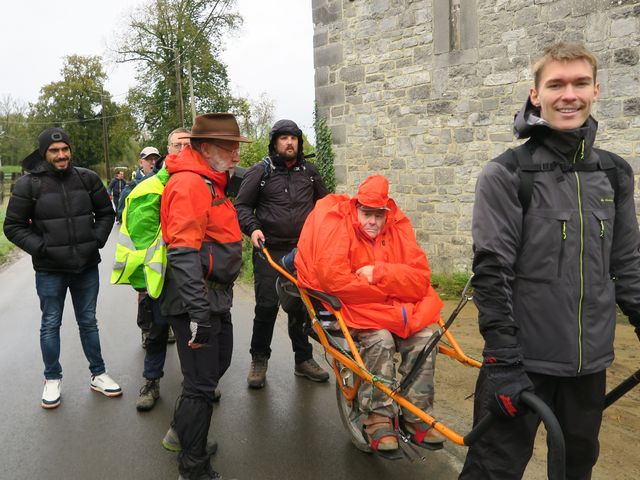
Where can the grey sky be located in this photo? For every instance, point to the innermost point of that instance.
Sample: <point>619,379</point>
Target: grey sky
<point>272,54</point>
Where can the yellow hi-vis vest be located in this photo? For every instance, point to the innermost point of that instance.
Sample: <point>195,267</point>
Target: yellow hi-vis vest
<point>143,263</point>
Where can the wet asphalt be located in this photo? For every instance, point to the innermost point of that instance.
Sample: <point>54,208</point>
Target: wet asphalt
<point>288,430</point>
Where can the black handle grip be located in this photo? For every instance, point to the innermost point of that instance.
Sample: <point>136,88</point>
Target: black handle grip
<point>555,438</point>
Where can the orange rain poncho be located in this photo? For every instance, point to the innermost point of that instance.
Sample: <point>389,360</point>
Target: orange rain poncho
<point>333,246</point>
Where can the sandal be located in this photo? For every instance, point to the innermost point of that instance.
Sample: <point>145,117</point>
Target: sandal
<point>424,435</point>
<point>380,434</point>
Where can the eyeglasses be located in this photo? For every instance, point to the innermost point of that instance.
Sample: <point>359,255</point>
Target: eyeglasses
<point>178,145</point>
<point>232,151</point>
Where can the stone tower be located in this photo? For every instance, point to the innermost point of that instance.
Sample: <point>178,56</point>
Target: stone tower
<point>424,92</point>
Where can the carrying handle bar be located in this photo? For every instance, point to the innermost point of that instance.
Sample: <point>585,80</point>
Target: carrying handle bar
<point>555,438</point>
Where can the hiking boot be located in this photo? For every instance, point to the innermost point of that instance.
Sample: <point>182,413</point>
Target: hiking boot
<point>149,393</point>
<point>311,370</point>
<point>104,384</point>
<point>258,371</point>
<point>171,442</point>
<point>208,474</point>
<point>171,338</point>
<point>51,393</point>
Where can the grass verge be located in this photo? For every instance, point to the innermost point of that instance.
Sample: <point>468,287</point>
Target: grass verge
<point>5,245</point>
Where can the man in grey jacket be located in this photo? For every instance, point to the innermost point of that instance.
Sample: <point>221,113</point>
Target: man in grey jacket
<point>556,246</point>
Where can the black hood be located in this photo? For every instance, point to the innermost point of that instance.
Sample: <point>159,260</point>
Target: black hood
<point>528,123</point>
<point>34,163</point>
<point>526,119</point>
<point>284,127</point>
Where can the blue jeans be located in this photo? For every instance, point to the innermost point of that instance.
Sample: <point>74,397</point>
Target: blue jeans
<point>52,290</point>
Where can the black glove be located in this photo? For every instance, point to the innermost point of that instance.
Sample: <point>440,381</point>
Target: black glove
<point>199,333</point>
<point>505,381</point>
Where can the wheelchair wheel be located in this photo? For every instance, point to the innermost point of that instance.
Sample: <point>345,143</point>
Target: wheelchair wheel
<point>349,412</point>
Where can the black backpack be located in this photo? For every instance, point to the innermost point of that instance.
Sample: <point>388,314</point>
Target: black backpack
<point>269,168</point>
<point>520,159</point>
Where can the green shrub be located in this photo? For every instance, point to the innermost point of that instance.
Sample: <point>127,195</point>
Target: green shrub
<point>5,245</point>
<point>449,285</point>
<point>324,152</point>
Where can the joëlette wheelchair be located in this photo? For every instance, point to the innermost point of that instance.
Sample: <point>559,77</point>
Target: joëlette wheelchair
<point>330,330</point>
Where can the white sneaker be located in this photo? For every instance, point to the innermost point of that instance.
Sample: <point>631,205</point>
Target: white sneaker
<point>51,393</point>
<point>103,383</point>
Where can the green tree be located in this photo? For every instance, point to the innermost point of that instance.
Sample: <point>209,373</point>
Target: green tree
<point>77,103</point>
<point>324,151</point>
<point>163,38</point>
<point>255,120</point>
<point>15,143</point>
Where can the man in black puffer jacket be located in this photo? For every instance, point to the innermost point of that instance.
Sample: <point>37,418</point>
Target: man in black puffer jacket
<point>274,200</point>
<point>61,215</point>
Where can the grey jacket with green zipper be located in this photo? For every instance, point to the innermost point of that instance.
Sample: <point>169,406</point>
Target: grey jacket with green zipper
<point>549,280</point>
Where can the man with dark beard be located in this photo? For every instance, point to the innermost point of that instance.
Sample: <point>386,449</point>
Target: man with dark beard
<point>274,200</point>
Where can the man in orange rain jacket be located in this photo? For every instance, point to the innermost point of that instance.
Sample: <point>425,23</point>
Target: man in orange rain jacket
<point>204,242</point>
<point>363,250</point>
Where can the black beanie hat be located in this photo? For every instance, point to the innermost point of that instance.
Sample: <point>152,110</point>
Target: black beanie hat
<point>49,136</point>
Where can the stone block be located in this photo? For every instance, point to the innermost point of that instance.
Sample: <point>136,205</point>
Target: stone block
<point>631,106</point>
<point>321,77</point>
<point>504,78</point>
<point>352,74</point>
<point>444,176</point>
<point>320,39</point>
<point>327,56</point>
<point>326,15</point>
<point>406,146</point>
<point>338,134</point>
<point>624,27</point>
<point>626,56</point>
<point>464,135</point>
<point>439,107</point>
<point>331,95</point>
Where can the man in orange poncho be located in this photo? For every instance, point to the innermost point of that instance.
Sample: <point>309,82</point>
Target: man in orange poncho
<point>363,250</point>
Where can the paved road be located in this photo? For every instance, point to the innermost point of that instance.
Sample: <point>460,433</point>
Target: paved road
<point>288,430</point>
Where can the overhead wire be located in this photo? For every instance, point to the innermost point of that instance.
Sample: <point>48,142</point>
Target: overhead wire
<point>171,62</point>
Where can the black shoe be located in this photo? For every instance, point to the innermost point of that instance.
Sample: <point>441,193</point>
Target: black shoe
<point>209,474</point>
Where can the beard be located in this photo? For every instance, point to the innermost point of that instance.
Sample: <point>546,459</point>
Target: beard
<point>289,154</point>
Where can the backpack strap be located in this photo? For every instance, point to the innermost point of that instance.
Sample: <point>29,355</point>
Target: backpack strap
<point>214,202</point>
<point>268,168</point>
<point>519,160</point>
<point>82,180</point>
<point>608,164</point>
<point>36,186</point>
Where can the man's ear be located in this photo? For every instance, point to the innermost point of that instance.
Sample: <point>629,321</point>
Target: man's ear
<point>533,96</point>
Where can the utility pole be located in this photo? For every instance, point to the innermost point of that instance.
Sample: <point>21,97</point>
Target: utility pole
<point>191,97</point>
<point>179,99</point>
<point>105,137</point>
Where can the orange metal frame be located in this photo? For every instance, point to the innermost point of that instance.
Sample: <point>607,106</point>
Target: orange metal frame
<point>356,365</point>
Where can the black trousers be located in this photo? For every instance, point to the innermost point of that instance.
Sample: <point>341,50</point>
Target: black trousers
<point>503,452</point>
<point>266,311</point>
<point>201,371</point>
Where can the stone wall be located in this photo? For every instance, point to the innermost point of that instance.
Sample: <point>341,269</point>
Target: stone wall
<point>429,118</point>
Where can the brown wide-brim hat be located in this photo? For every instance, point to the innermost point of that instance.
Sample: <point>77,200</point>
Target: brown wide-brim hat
<point>216,126</point>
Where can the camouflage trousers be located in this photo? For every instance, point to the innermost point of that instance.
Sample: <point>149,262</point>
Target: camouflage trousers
<point>378,348</point>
